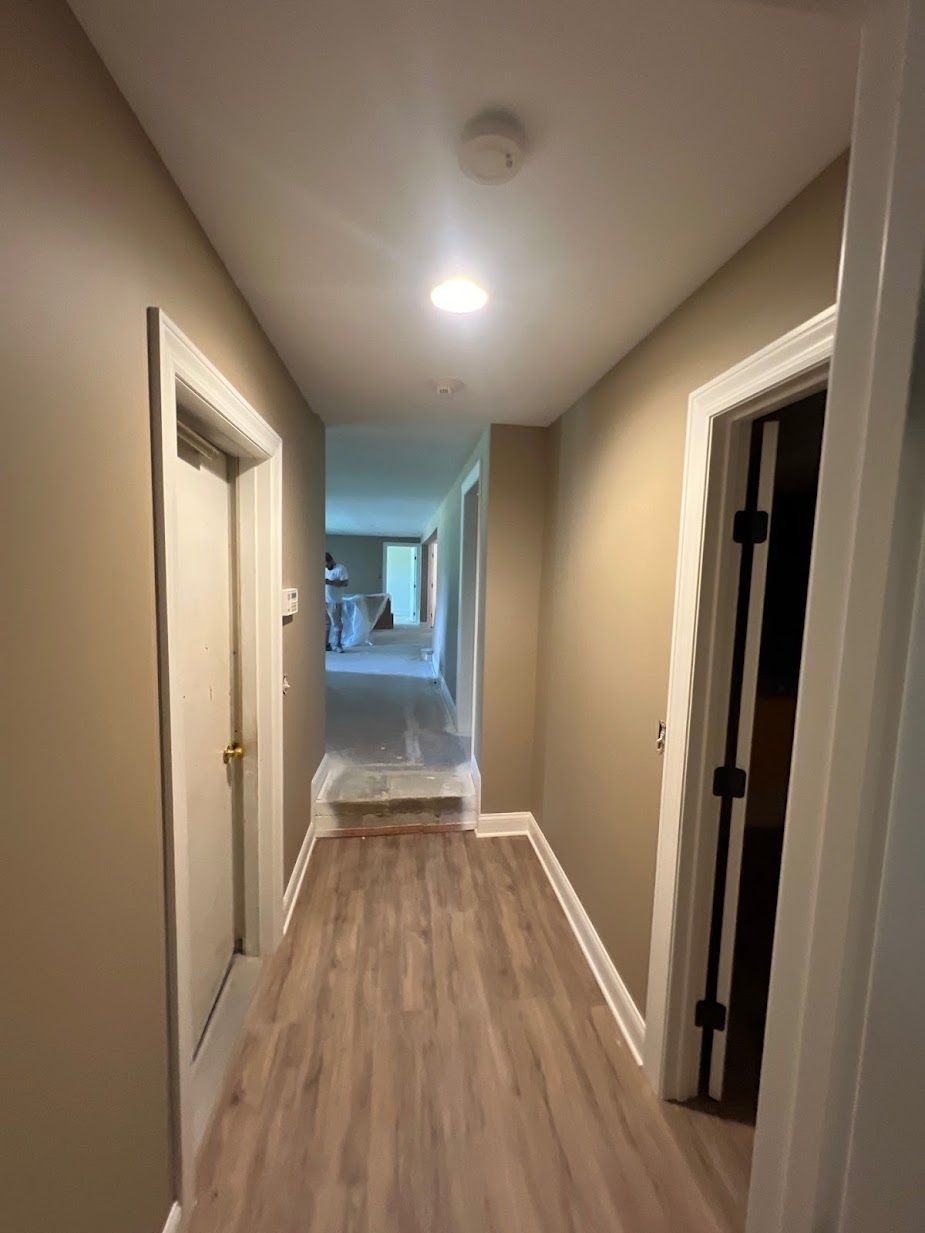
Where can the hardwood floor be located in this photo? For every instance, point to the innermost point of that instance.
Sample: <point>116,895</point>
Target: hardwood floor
<point>429,1053</point>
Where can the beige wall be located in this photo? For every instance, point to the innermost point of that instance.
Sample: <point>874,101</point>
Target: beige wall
<point>518,481</point>
<point>609,564</point>
<point>94,231</point>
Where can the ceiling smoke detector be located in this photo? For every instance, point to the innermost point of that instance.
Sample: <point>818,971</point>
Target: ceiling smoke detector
<point>446,387</point>
<point>493,147</point>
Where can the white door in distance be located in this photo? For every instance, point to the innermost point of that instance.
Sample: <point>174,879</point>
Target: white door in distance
<point>401,582</point>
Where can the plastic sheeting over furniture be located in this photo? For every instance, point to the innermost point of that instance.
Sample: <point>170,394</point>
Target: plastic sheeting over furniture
<point>361,612</point>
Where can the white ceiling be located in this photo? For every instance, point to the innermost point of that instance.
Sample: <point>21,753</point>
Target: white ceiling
<point>390,480</point>
<point>316,143</point>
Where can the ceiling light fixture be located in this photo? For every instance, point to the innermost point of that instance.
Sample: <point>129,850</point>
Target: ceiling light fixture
<point>459,295</point>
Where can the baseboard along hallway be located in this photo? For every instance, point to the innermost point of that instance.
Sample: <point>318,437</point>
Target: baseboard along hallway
<point>429,1050</point>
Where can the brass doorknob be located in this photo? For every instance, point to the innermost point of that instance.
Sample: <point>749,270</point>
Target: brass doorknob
<point>232,751</point>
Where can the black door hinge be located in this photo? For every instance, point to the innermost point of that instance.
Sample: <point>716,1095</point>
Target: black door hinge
<point>710,1015</point>
<point>729,781</point>
<point>750,526</point>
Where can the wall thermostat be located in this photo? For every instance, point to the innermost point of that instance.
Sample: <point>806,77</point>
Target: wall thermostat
<point>290,601</point>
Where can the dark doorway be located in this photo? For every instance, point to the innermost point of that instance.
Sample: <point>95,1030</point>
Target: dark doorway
<point>789,550</point>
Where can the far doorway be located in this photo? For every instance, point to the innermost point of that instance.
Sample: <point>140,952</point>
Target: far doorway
<point>401,570</point>
<point>430,549</point>
<point>468,648</point>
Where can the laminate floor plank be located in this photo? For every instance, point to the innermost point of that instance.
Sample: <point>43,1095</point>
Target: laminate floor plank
<point>428,1052</point>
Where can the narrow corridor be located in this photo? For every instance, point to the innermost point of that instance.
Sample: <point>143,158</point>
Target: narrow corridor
<point>428,1051</point>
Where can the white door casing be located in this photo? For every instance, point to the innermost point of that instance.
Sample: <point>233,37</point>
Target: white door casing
<point>432,583</point>
<point>469,614</point>
<point>719,420</point>
<point>401,571</point>
<point>218,412</point>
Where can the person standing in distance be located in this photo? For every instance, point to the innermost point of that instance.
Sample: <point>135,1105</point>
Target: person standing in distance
<point>336,580</point>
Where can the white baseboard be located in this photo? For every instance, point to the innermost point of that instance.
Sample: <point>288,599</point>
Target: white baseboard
<point>444,691</point>
<point>494,824</point>
<point>173,1220</point>
<point>618,998</point>
<point>291,893</point>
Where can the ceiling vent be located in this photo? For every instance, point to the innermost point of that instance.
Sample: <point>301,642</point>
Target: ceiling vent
<point>493,147</point>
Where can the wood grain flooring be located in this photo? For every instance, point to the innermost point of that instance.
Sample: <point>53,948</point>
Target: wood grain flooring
<point>429,1053</point>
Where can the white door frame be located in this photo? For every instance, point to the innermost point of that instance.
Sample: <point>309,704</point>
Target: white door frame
<point>397,543</point>
<point>855,638</point>
<point>229,422</point>
<point>472,478</point>
<point>719,417</point>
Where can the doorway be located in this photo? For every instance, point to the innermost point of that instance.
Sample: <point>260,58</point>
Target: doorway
<point>431,558</point>
<point>774,535</point>
<point>401,570</point>
<point>468,649</point>
<point>207,674</point>
<point>753,442</point>
<point>218,553</point>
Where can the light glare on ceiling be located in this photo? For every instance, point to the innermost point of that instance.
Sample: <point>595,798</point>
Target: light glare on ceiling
<point>459,295</point>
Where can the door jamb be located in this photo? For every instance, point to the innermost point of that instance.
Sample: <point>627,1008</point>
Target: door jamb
<point>472,478</point>
<point>224,417</point>
<point>790,368</point>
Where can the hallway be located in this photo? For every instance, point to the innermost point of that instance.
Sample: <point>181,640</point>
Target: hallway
<point>394,759</point>
<point>428,1051</point>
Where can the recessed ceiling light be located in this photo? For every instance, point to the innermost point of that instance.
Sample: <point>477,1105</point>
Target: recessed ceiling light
<point>459,295</point>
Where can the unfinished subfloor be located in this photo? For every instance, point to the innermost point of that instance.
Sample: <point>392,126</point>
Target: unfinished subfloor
<point>429,1053</point>
<point>394,759</point>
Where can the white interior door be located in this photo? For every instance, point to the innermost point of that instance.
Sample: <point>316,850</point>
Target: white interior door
<point>769,433</point>
<point>206,660</point>
<point>401,581</point>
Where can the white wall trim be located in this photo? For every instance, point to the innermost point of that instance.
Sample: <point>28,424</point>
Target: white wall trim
<point>444,690</point>
<point>174,1220</point>
<point>225,418</point>
<point>851,688</point>
<point>473,701</point>
<point>719,415</point>
<point>299,869</point>
<point>617,996</point>
<point>494,824</point>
